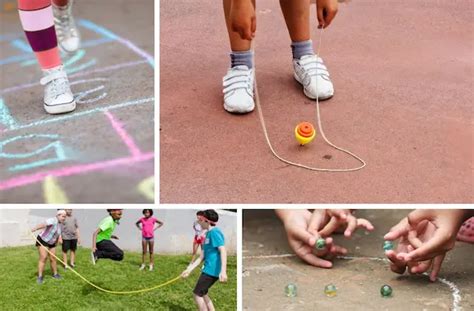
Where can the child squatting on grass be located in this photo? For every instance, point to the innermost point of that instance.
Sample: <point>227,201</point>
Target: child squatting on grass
<point>424,236</point>
<point>71,238</point>
<point>48,238</point>
<point>102,246</point>
<point>214,256</point>
<point>308,69</point>
<point>148,234</point>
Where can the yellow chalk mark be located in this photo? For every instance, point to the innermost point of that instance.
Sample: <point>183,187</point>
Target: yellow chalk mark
<point>53,194</point>
<point>147,188</point>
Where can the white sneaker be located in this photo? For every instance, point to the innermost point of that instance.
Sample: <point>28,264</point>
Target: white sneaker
<point>142,267</point>
<point>310,70</point>
<point>58,97</point>
<point>151,267</point>
<point>238,90</point>
<point>66,29</point>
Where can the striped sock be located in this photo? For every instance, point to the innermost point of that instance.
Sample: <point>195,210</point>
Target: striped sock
<point>239,58</point>
<point>37,19</point>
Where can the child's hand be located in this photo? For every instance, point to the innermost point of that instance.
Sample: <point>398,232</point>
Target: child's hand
<point>447,223</point>
<point>326,10</point>
<point>223,277</point>
<point>60,240</point>
<point>301,241</point>
<point>94,248</point>
<point>337,219</point>
<point>431,234</point>
<point>79,242</point>
<point>185,274</point>
<point>399,265</point>
<point>242,18</point>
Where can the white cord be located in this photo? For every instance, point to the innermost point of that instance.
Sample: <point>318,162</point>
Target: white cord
<point>318,119</point>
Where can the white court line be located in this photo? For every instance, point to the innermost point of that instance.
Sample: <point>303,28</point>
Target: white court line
<point>455,292</point>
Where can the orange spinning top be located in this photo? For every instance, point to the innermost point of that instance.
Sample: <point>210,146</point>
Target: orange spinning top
<point>304,133</point>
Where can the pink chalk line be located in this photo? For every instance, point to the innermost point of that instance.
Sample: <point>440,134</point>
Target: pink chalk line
<point>127,139</point>
<point>73,170</point>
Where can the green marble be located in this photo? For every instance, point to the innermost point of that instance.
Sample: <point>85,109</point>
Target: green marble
<point>386,291</point>
<point>320,244</point>
<point>388,245</point>
<point>330,290</point>
<point>290,290</point>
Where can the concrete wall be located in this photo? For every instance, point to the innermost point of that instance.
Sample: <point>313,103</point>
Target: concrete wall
<point>175,237</point>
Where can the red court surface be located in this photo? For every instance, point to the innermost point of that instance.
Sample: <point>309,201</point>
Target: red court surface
<point>403,75</point>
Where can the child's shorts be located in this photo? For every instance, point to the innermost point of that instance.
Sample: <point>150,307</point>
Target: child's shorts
<point>69,245</point>
<point>40,240</point>
<point>198,239</point>
<point>203,284</point>
<point>145,239</point>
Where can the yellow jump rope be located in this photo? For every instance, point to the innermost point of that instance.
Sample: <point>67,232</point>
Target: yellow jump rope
<point>131,292</point>
<point>318,119</point>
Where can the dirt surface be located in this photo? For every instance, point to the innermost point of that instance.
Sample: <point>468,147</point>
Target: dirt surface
<point>403,75</point>
<point>358,280</point>
<point>104,151</point>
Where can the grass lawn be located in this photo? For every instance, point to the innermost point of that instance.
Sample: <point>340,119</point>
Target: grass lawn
<point>19,291</point>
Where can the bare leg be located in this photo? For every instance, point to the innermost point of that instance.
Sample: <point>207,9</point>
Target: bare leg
<point>73,258</point>
<point>210,306</point>
<point>43,255</point>
<point>52,260</point>
<point>150,248</point>
<point>201,303</point>
<point>236,43</point>
<point>143,251</point>
<point>65,258</point>
<point>297,18</point>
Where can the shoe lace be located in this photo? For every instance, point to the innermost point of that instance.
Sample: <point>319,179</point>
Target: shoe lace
<point>57,83</point>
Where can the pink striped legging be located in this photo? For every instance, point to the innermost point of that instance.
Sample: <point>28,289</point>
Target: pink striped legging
<point>37,19</point>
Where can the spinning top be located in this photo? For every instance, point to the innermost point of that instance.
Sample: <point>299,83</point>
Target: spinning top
<point>304,133</point>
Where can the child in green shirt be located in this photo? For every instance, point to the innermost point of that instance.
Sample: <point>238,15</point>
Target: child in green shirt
<point>102,246</point>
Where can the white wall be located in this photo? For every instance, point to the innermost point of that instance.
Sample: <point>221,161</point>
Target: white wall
<point>175,237</point>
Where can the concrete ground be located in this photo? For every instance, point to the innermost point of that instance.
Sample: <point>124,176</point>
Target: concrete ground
<point>403,75</point>
<point>104,151</point>
<point>358,280</point>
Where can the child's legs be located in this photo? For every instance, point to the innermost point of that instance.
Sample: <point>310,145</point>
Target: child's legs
<point>43,255</point>
<point>65,248</point>
<point>209,304</point>
<point>236,43</point>
<point>143,250</point>
<point>36,17</point>
<point>52,260</point>
<point>151,245</point>
<point>107,249</point>
<point>73,257</point>
<point>297,18</point>
<point>65,257</point>
<point>200,302</point>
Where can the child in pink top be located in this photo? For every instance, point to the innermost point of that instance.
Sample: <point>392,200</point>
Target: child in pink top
<point>148,233</point>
